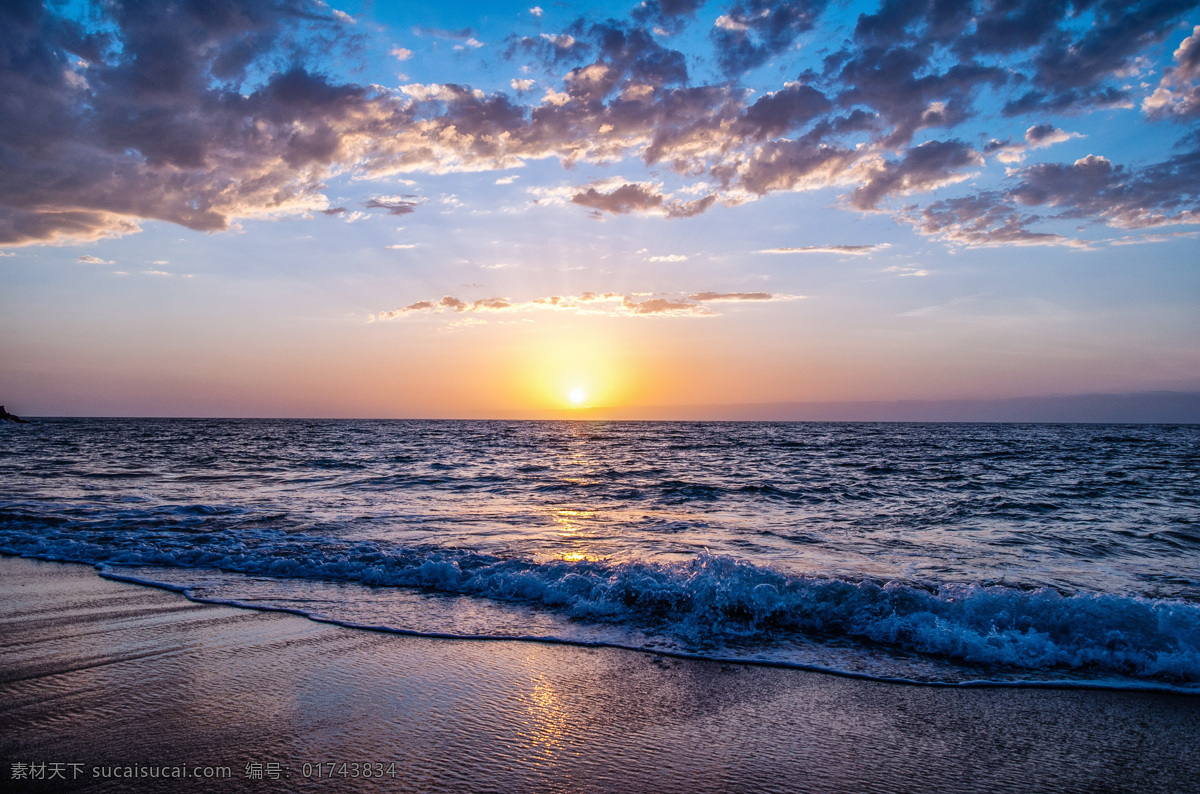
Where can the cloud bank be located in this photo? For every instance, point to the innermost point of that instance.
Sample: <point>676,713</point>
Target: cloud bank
<point>200,115</point>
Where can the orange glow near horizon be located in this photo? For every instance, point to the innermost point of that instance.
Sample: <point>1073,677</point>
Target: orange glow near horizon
<point>574,368</point>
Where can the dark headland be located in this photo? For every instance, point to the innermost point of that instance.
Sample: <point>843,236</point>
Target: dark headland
<point>5,416</point>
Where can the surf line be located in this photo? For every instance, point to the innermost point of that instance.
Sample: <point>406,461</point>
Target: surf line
<point>106,571</point>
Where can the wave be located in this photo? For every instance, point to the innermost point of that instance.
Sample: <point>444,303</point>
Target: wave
<point>714,601</point>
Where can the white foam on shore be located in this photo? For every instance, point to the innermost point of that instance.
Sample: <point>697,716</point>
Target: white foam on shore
<point>1116,640</point>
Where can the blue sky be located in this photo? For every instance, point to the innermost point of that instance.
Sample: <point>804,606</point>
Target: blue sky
<point>468,209</point>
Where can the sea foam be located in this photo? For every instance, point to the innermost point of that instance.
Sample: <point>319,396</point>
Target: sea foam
<point>714,600</point>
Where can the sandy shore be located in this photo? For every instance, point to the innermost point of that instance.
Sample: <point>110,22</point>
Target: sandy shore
<point>97,674</point>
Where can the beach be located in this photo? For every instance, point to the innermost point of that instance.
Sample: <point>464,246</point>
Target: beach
<point>100,678</point>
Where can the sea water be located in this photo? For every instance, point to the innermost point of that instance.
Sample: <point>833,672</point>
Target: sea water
<point>938,553</point>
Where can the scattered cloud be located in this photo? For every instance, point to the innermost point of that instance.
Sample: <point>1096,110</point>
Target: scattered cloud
<point>712,297</point>
<point>931,165</point>
<point>461,34</point>
<point>94,260</point>
<point>507,180</point>
<point>1039,136</point>
<point>668,258</point>
<point>186,118</point>
<point>395,205</point>
<point>400,246</point>
<point>640,198</point>
<point>1139,239</point>
<point>590,303</point>
<point>753,31</point>
<point>1178,93</point>
<point>852,250</point>
<point>906,270</point>
<point>563,41</point>
<point>536,11</point>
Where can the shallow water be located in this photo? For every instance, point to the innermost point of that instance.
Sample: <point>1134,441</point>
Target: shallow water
<point>947,553</point>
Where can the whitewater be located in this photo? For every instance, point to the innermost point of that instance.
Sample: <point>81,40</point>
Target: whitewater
<point>947,554</point>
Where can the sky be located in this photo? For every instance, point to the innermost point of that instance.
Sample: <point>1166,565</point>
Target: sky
<point>501,209</point>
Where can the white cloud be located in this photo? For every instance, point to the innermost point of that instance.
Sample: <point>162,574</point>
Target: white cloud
<point>94,260</point>
<point>536,11</point>
<point>401,246</point>
<point>561,40</point>
<point>342,16</point>
<point>1138,239</point>
<point>726,22</point>
<point>521,85</point>
<point>402,53</point>
<point>906,270</point>
<point>668,258</point>
<point>507,180</point>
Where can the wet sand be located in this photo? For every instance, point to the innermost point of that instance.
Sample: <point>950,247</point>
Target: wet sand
<point>103,674</point>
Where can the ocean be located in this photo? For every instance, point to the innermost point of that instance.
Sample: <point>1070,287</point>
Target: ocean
<point>941,554</point>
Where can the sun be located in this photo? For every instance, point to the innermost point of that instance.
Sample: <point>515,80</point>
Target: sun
<point>576,396</point>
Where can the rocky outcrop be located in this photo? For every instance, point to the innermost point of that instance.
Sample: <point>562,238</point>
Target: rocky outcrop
<point>5,416</point>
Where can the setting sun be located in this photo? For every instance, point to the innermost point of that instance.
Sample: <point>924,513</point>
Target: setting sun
<point>577,396</point>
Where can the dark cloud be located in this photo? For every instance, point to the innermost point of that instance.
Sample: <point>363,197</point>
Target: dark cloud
<point>924,167</point>
<point>781,112</point>
<point>625,199</point>
<point>1066,101</point>
<point>1062,56</point>
<point>640,198</point>
<point>148,119</point>
<point>900,86</point>
<point>982,220</point>
<point>1093,187</point>
<point>202,113</point>
<point>395,205</point>
<point>1040,132</point>
<point>751,32</point>
<point>1119,31</point>
<point>793,165</point>
<point>670,15</point>
<point>896,20</point>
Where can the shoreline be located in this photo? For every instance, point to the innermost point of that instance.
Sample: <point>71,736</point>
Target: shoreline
<point>110,572</point>
<point>103,673</point>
